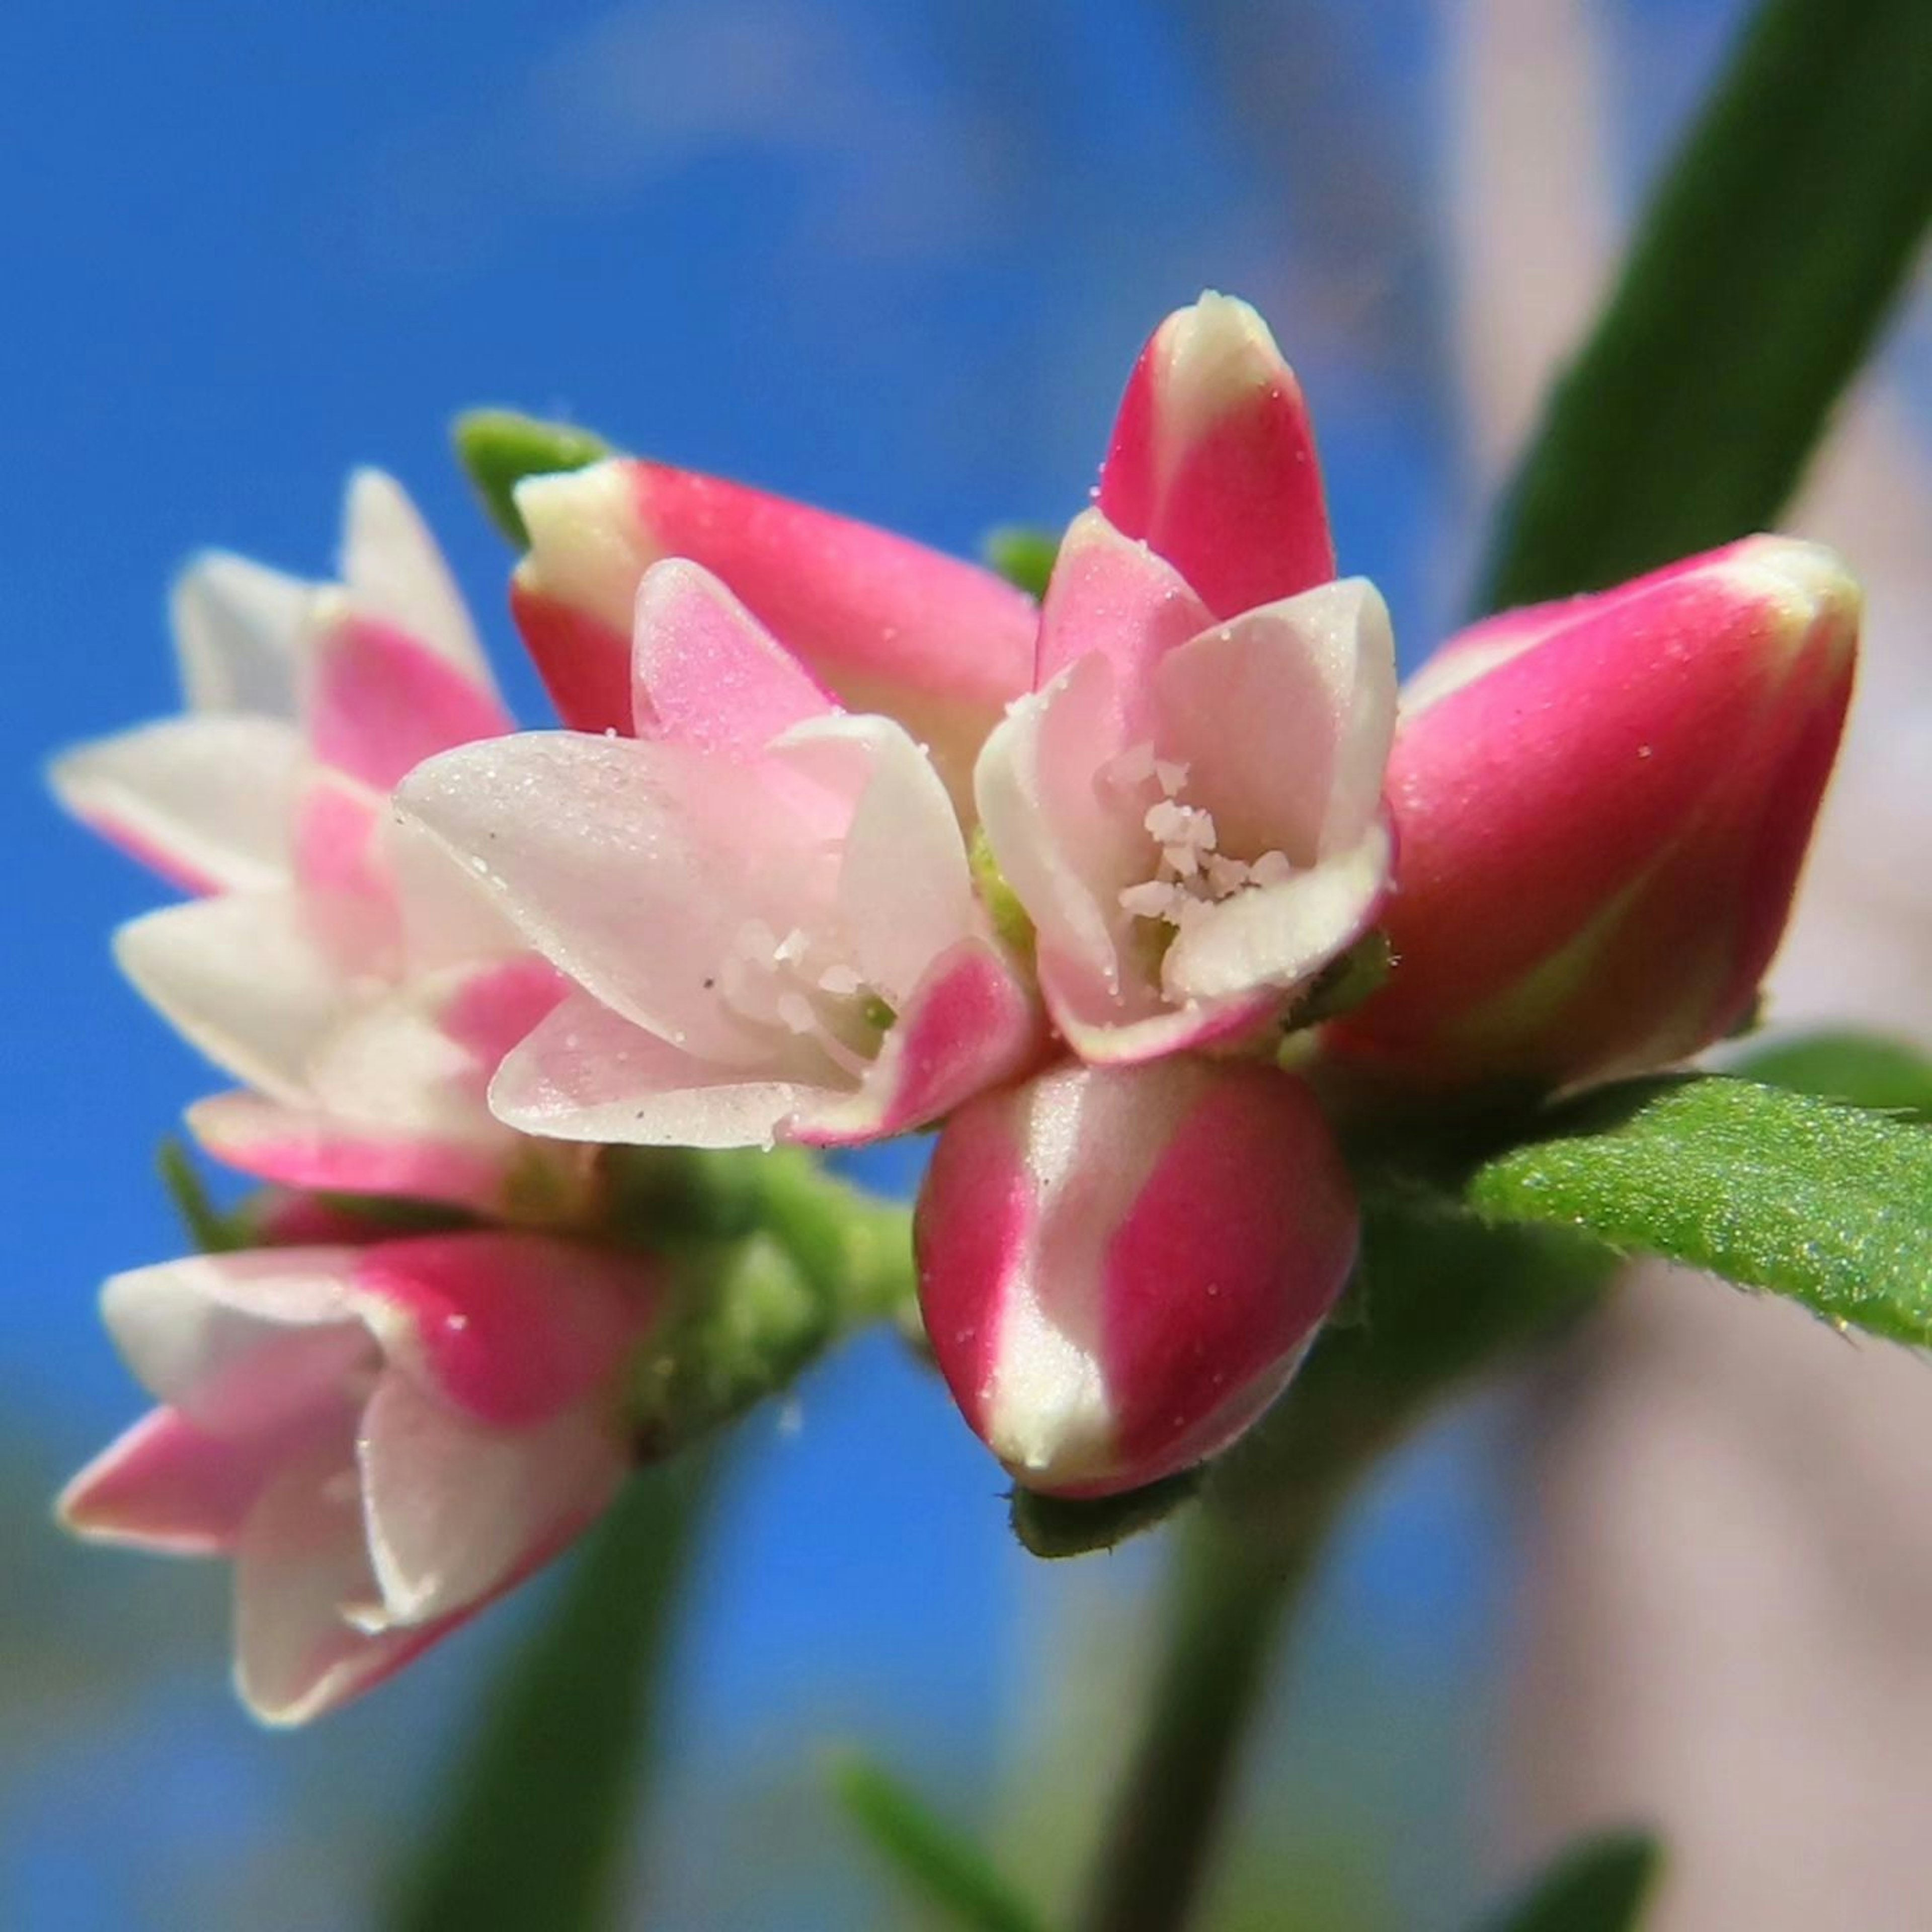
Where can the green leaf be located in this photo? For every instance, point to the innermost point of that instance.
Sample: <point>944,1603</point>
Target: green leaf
<point>952,1875</point>
<point>1023,556</point>
<point>1761,272</point>
<point>498,449</point>
<point>533,1823</point>
<point>1856,1068</point>
<point>1828,1205</point>
<point>1602,1885</point>
<point>1056,1526</point>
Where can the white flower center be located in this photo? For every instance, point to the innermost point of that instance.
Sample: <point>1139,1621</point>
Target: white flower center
<point>1191,873</point>
<point>800,985</point>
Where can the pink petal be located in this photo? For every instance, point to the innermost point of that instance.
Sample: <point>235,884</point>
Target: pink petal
<point>886,624</point>
<point>1112,594</point>
<point>1119,1269</point>
<point>971,1025</point>
<point>455,1511</point>
<point>633,868</point>
<point>510,1329</point>
<point>165,1486</point>
<point>394,573</point>
<point>706,673</point>
<point>380,700</point>
<point>309,1150</point>
<point>1212,460</point>
<point>208,803</point>
<point>586,1074</point>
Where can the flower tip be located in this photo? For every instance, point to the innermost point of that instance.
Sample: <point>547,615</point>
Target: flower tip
<point>1809,585</point>
<point>588,544</point>
<point>1224,353</point>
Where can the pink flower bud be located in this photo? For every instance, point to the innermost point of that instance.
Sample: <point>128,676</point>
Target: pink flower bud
<point>382,1438</point>
<point>885,624</point>
<point>1601,807</point>
<point>1212,461</point>
<point>1120,1267</point>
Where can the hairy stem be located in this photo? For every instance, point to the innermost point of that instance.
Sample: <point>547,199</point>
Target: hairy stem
<point>1229,1598</point>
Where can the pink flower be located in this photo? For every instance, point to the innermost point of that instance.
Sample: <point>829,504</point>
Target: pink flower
<point>887,625</point>
<point>381,1438</point>
<point>363,996</point>
<point>1189,808</point>
<point>1120,1268</point>
<point>765,903</point>
<point>1602,807</point>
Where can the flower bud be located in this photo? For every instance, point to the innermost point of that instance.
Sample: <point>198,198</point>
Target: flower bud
<point>1120,1267</point>
<point>383,1438</point>
<point>885,624</point>
<point>1212,461</point>
<point>1601,807</point>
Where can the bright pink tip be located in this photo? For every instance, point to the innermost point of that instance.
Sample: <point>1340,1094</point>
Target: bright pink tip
<point>1602,807</point>
<point>1120,1268</point>
<point>1212,460</point>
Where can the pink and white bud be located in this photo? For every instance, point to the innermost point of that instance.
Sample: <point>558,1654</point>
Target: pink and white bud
<point>766,904</point>
<point>1602,807</point>
<point>884,624</point>
<point>1189,810</point>
<point>381,1438</point>
<point>1120,1268</point>
<point>1213,463</point>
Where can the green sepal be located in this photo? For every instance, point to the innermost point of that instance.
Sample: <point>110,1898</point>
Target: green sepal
<point>498,449</point>
<point>1024,555</point>
<point>1053,1527</point>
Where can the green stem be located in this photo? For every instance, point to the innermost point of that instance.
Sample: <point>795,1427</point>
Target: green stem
<point>1229,1598</point>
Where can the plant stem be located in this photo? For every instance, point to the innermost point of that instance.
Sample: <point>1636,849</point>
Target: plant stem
<point>1228,1598</point>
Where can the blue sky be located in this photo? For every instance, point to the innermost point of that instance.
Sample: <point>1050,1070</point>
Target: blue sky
<point>896,260</point>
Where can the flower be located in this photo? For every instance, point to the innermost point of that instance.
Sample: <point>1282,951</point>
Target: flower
<point>381,1438</point>
<point>765,903</point>
<point>887,625</point>
<point>1189,806</point>
<point>346,982</point>
<point>1602,807</point>
<point>1120,1267</point>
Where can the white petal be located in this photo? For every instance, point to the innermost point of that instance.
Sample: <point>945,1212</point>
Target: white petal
<point>1285,717</point>
<point>208,800</point>
<point>453,1509</point>
<point>240,1343</point>
<point>393,569</point>
<point>1278,936</point>
<point>301,1563</point>
<point>238,629</point>
<point>633,868</point>
<point>586,1074</point>
<point>241,978</point>
<point>905,892</point>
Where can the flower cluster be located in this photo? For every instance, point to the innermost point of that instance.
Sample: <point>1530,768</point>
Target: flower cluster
<point>843,839</point>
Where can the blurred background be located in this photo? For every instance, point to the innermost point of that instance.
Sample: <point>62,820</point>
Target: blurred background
<point>898,259</point>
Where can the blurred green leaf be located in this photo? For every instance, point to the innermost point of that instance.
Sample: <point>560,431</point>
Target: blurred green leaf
<point>1856,1068</point>
<point>1828,1205</point>
<point>532,1824</point>
<point>950,1874</point>
<point>1602,1885</point>
<point>498,449</point>
<point>1023,556</point>
<point>1760,272</point>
